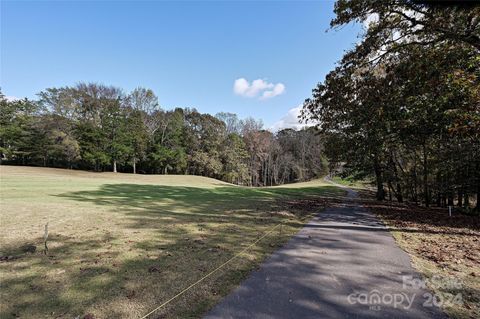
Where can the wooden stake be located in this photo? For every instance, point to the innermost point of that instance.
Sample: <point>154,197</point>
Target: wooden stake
<point>45,237</point>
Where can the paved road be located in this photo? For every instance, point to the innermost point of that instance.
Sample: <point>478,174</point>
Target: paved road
<point>344,251</point>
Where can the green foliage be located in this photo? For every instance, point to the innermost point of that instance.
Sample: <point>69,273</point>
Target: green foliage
<point>97,127</point>
<point>16,126</point>
<point>409,104</point>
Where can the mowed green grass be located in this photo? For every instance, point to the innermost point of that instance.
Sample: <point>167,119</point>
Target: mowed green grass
<point>121,244</point>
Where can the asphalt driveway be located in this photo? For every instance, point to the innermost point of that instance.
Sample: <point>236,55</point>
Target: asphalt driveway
<point>343,264</point>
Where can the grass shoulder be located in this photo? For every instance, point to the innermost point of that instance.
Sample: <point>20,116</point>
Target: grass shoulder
<point>351,182</point>
<point>444,250</point>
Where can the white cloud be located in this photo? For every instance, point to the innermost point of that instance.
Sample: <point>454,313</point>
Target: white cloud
<point>290,120</point>
<point>258,88</point>
<point>278,89</point>
<point>12,98</point>
<point>241,86</point>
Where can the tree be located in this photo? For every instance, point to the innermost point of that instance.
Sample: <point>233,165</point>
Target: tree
<point>16,122</point>
<point>397,24</point>
<point>204,137</point>
<point>145,103</point>
<point>234,159</point>
<point>136,136</point>
<point>232,122</point>
<point>409,102</point>
<point>101,124</point>
<point>95,126</point>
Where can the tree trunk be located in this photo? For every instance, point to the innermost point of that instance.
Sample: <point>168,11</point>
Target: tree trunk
<point>477,168</point>
<point>425,176</point>
<point>399,193</point>
<point>450,199</point>
<point>415,180</point>
<point>114,165</point>
<point>397,190</point>
<point>390,190</point>
<point>460,198</point>
<point>265,173</point>
<point>378,179</point>
<point>134,165</point>
<point>466,202</point>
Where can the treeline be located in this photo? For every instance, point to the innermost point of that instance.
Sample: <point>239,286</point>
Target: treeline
<point>97,127</point>
<point>404,104</point>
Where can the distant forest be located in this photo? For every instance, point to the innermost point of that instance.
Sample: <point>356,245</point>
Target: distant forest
<point>96,127</point>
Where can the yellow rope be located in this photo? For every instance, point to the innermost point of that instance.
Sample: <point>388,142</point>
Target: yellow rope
<point>210,273</point>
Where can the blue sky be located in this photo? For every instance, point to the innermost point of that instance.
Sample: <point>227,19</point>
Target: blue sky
<point>189,53</point>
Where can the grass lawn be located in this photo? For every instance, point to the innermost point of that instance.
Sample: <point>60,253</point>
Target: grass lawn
<point>351,183</point>
<point>121,244</point>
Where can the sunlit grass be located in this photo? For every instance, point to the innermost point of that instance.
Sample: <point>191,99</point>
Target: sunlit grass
<point>352,183</point>
<point>120,244</point>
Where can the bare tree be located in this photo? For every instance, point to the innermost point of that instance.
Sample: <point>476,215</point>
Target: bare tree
<point>145,101</point>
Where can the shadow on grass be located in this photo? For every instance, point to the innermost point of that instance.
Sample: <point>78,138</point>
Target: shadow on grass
<point>183,233</point>
<point>144,196</point>
<point>147,205</point>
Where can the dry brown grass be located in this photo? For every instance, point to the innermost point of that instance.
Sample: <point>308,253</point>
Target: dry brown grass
<point>441,247</point>
<point>121,244</point>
